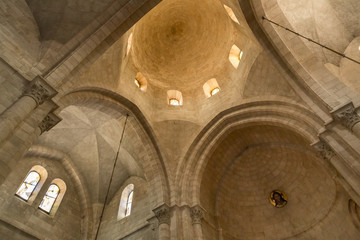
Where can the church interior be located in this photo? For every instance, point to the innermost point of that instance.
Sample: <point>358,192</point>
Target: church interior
<point>179,119</point>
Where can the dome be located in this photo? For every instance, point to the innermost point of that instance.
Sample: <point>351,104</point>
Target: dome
<point>181,44</point>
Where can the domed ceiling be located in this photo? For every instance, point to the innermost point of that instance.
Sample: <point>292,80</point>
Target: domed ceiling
<point>181,44</point>
<point>247,166</point>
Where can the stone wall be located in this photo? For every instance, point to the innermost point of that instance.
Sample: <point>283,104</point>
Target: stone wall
<point>21,216</point>
<point>135,225</point>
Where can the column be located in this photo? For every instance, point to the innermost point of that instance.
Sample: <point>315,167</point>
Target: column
<point>37,92</point>
<point>349,118</point>
<point>197,214</point>
<point>340,165</point>
<point>162,213</point>
<point>48,122</point>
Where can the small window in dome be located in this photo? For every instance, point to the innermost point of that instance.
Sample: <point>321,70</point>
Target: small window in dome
<point>140,81</point>
<point>211,87</point>
<point>174,98</point>
<point>214,91</point>
<point>235,56</point>
<point>128,48</point>
<point>137,83</point>
<point>174,102</point>
<point>231,14</point>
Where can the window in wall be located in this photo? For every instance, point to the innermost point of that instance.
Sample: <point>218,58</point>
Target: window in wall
<point>28,186</point>
<point>174,98</point>
<point>50,197</point>
<point>235,56</point>
<point>231,14</point>
<point>140,81</point>
<point>126,201</point>
<point>211,87</point>
<point>129,203</point>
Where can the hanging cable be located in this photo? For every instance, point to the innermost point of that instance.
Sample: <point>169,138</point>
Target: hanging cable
<point>310,40</point>
<point>111,178</point>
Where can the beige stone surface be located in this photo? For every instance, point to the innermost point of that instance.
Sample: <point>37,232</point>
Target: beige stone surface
<point>202,170</point>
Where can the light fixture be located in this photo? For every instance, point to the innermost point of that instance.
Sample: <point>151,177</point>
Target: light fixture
<point>174,102</point>
<point>214,91</point>
<point>137,83</point>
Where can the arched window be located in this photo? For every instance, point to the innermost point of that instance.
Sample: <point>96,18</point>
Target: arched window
<point>28,186</point>
<point>126,201</point>
<point>50,197</point>
<point>211,87</point>
<point>53,197</point>
<point>174,98</point>
<point>129,203</point>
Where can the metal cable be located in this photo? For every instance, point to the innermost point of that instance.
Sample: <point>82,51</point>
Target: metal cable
<point>111,178</point>
<point>310,40</point>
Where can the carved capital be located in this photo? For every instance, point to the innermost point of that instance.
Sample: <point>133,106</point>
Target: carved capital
<point>325,151</point>
<point>49,122</point>
<point>347,116</point>
<point>162,213</point>
<point>39,90</point>
<point>197,213</point>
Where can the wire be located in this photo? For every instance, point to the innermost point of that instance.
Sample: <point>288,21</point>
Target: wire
<point>310,40</point>
<point>111,178</point>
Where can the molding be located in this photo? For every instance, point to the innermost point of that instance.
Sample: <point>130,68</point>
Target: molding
<point>39,90</point>
<point>347,116</point>
<point>162,213</point>
<point>324,150</point>
<point>49,122</point>
<point>197,214</point>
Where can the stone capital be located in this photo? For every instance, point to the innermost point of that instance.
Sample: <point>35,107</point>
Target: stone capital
<point>347,116</point>
<point>162,213</point>
<point>49,122</point>
<point>325,151</point>
<point>39,90</point>
<point>197,213</point>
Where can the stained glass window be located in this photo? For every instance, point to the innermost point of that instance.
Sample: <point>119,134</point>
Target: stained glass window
<point>49,198</point>
<point>129,203</point>
<point>28,186</point>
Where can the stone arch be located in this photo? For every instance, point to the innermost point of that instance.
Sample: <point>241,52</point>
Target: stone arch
<point>110,102</point>
<point>275,113</point>
<point>304,63</point>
